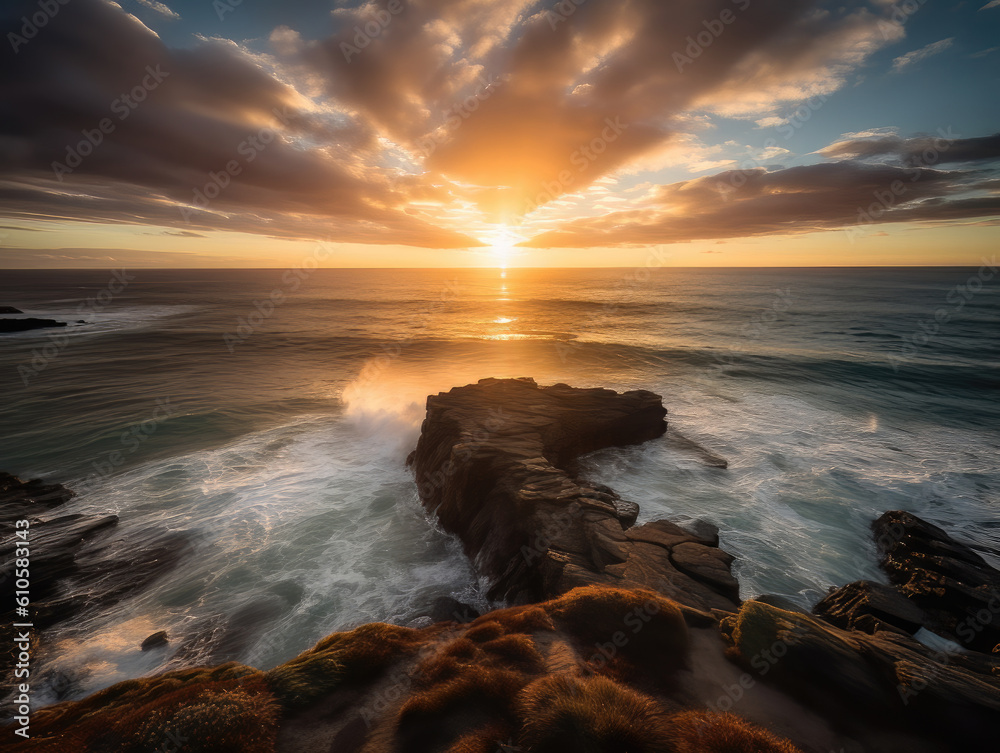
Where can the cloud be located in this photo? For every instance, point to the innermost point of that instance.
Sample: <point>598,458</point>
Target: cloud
<point>943,148</point>
<point>214,106</point>
<point>456,113</point>
<point>800,199</point>
<point>991,4</point>
<point>160,8</point>
<point>94,258</point>
<point>567,76</point>
<point>912,58</point>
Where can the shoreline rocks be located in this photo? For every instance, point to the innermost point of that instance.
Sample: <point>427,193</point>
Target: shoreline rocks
<point>496,463</point>
<point>8,326</point>
<point>622,637</point>
<point>75,563</point>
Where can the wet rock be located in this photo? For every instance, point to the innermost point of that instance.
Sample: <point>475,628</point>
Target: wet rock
<point>888,681</point>
<point>156,640</point>
<point>684,444</point>
<point>864,605</point>
<point>946,579</point>
<point>496,462</point>
<point>447,609</point>
<point>75,564</point>
<point>24,325</point>
<point>708,565</point>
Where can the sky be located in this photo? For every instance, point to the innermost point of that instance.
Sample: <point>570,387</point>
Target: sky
<point>485,133</point>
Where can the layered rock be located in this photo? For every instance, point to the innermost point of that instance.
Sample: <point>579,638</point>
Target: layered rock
<point>938,584</point>
<point>73,563</point>
<point>496,463</point>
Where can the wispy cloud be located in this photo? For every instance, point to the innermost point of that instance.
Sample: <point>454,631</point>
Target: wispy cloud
<point>912,58</point>
<point>160,8</point>
<point>991,4</point>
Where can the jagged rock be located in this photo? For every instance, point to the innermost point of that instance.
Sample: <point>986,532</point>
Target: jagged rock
<point>496,462</point>
<point>74,564</point>
<point>888,680</point>
<point>23,325</point>
<point>867,606</point>
<point>954,586</point>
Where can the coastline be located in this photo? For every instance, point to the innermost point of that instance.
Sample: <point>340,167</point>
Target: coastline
<point>643,615</point>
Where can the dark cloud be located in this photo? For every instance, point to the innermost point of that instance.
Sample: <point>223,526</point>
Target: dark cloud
<point>201,109</point>
<point>942,148</point>
<point>566,73</point>
<point>801,199</point>
<point>449,112</point>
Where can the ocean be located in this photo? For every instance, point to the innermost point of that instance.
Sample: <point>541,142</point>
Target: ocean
<point>266,416</point>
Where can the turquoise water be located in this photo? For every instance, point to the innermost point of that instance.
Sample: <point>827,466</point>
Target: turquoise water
<point>266,416</point>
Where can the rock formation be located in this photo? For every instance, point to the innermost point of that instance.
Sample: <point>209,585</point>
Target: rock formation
<point>621,638</point>
<point>73,564</point>
<point>496,463</point>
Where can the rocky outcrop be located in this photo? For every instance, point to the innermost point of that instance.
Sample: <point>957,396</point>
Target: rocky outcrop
<point>24,325</point>
<point>10,310</point>
<point>634,638</point>
<point>496,463</point>
<point>861,682</point>
<point>74,564</point>
<point>938,584</point>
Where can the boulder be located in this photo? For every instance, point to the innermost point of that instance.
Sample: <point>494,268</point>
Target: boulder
<point>155,641</point>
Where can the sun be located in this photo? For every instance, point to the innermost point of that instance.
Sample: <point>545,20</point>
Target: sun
<point>503,247</point>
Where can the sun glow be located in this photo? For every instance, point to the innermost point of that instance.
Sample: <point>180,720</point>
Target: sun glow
<point>503,247</point>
